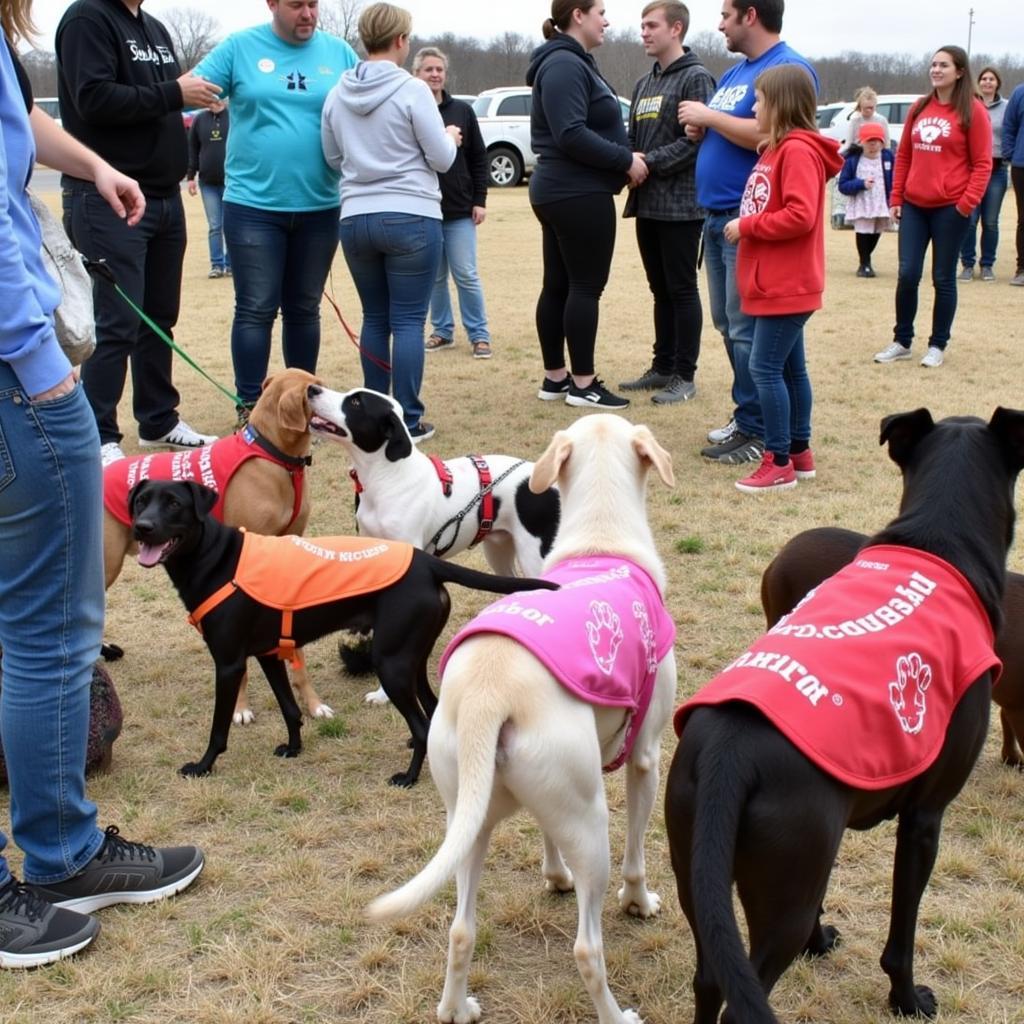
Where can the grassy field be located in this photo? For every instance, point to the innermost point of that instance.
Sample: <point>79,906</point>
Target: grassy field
<point>273,930</point>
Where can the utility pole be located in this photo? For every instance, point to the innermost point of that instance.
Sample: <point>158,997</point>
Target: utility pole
<point>970,27</point>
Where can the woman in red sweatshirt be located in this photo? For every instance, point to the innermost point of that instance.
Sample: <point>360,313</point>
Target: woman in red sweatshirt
<point>780,266</point>
<point>943,165</point>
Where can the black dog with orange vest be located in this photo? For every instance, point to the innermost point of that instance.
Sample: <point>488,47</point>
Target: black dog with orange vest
<point>747,800</point>
<point>264,597</point>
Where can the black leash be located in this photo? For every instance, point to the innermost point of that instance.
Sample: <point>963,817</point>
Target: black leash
<point>456,519</point>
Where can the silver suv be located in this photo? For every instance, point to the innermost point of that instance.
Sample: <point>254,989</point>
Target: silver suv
<point>504,116</point>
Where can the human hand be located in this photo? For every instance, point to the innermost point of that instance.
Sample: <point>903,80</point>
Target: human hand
<point>896,212</point>
<point>638,171</point>
<point>65,387</point>
<point>193,188</point>
<point>692,112</point>
<point>196,91</point>
<point>732,231</point>
<point>693,133</point>
<point>479,215</point>
<point>122,193</point>
<point>455,132</point>
<point>869,182</point>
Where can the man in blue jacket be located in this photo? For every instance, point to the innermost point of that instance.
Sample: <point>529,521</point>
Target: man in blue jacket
<point>1013,151</point>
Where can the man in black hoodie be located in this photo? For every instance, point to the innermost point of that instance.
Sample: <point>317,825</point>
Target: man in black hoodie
<point>121,92</point>
<point>669,220</point>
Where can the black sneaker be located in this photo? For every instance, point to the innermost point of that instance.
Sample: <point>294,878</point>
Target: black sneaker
<point>423,431</point>
<point>124,872</point>
<point>34,932</point>
<point>739,448</point>
<point>595,395</point>
<point>553,390</point>
<point>650,380</point>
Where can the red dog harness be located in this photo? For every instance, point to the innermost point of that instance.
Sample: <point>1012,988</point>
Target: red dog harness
<point>292,573</point>
<point>213,466</point>
<point>864,674</point>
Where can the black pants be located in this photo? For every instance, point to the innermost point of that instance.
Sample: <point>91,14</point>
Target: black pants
<point>668,250</point>
<point>1017,178</point>
<point>146,262</point>
<point>865,247</point>
<point>578,236</point>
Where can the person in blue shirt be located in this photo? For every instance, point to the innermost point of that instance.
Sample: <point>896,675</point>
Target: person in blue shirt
<point>281,199</point>
<point>729,140</point>
<point>1013,151</point>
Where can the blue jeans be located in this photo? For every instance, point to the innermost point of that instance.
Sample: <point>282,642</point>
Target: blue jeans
<point>213,204</point>
<point>944,228</point>
<point>51,622</point>
<point>988,213</point>
<point>779,370</point>
<point>736,328</point>
<point>392,258</point>
<point>279,261</point>
<point>459,256</point>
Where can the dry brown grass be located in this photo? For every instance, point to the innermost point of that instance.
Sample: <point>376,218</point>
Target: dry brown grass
<point>272,932</point>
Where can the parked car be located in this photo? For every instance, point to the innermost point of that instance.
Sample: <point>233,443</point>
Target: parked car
<point>826,112</point>
<point>893,107</point>
<point>504,116</point>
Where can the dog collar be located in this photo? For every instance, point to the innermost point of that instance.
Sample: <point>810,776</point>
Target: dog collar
<point>252,436</point>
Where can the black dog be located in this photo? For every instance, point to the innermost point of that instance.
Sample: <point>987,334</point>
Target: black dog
<point>743,803</point>
<point>172,524</point>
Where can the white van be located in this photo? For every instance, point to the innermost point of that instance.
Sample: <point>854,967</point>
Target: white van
<point>894,107</point>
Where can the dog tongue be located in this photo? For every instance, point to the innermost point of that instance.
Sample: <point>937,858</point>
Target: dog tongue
<point>149,554</point>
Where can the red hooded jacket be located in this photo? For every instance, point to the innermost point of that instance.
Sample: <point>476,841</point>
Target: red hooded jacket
<point>780,266</point>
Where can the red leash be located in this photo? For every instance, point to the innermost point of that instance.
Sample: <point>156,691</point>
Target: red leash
<point>353,337</point>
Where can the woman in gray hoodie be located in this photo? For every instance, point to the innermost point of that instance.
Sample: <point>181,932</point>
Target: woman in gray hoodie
<point>381,129</point>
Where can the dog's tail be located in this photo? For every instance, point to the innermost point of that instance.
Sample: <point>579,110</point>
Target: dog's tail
<point>452,572</point>
<point>478,723</point>
<point>724,780</point>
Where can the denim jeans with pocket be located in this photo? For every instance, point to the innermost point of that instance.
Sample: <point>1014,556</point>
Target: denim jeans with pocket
<point>987,211</point>
<point>393,259</point>
<point>459,257</point>
<point>778,368</point>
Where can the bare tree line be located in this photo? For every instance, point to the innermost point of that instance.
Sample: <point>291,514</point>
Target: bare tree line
<point>477,65</point>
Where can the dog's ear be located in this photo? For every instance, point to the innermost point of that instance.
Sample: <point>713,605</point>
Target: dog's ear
<point>399,444</point>
<point>293,410</point>
<point>204,498</point>
<point>549,465</point>
<point>649,451</point>
<point>903,431</point>
<point>1008,426</point>
<point>134,494</point>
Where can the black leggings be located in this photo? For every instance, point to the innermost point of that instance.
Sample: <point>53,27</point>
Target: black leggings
<point>865,247</point>
<point>578,236</point>
<point>1017,177</point>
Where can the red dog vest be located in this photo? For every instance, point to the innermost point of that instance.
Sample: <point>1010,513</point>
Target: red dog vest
<point>601,635</point>
<point>213,466</point>
<point>863,675</point>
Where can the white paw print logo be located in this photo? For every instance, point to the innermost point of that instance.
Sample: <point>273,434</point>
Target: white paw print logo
<point>604,633</point>
<point>913,672</point>
<point>646,634</point>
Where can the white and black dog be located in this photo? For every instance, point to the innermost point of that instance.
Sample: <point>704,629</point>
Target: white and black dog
<point>444,508</point>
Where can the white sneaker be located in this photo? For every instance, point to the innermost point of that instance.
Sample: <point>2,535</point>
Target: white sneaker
<point>722,433</point>
<point>892,352</point>
<point>110,452</point>
<point>933,357</point>
<point>182,437</point>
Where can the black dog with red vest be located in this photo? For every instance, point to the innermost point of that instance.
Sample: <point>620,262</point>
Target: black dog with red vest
<point>746,798</point>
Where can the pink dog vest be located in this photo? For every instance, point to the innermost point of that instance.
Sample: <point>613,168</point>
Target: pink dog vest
<point>602,635</point>
<point>864,674</point>
<point>213,466</point>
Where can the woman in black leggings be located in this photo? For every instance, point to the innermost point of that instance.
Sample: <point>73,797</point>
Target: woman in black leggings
<point>584,159</point>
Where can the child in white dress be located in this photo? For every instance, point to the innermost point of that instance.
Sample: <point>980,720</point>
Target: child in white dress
<point>866,178</point>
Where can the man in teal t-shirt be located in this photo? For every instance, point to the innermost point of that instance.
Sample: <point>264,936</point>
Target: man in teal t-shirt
<point>280,196</point>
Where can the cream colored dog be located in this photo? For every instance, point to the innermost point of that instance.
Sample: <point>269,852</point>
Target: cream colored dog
<point>507,734</point>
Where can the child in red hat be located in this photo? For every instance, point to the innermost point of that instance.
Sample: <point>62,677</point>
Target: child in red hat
<point>866,178</point>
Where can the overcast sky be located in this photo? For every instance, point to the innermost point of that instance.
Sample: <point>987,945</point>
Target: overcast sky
<point>816,28</point>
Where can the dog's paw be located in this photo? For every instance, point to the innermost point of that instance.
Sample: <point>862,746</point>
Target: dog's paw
<point>604,634</point>
<point>823,940</point>
<point>560,883</point>
<point>377,696</point>
<point>287,750</point>
<point>403,780</point>
<point>466,1012</point>
<point>321,710</point>
<point>639,902</point>
<point>631,1017</point>
<point>922,1004</point>
<point>192,770</point>
<point>243,716</point>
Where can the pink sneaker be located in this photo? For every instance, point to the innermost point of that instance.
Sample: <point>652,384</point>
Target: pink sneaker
<point>803,464</point>
<point>769,477</point>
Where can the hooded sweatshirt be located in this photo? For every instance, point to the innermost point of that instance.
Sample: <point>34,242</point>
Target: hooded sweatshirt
<point>780,265</point>
<point>382,130</point>
<point>576,126</point>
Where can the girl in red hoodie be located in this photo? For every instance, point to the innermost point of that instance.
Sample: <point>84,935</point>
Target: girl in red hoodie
<point>780,266</point>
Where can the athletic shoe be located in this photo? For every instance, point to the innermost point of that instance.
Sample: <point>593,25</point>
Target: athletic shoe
<point>34,932</point>
<point>181,437</point>
<point>650,380</point>
<point>435,343</point>
<point>933,357</point>
<point>892,352</point>
<point>721,434</point>
<point>676,390</point>
<point>215,272</point>
<point>768,477</point>
<point>1018,279</point>
<point>481,349</point>
<point>110,452</point>
<point>554,390</point>
<point>967,274</point>
<point>987,274</point>
<point>423,431</point>
<point>739,448</point>
<point>124,872</point>
<point>803,464</point>
<point>595,395</point>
